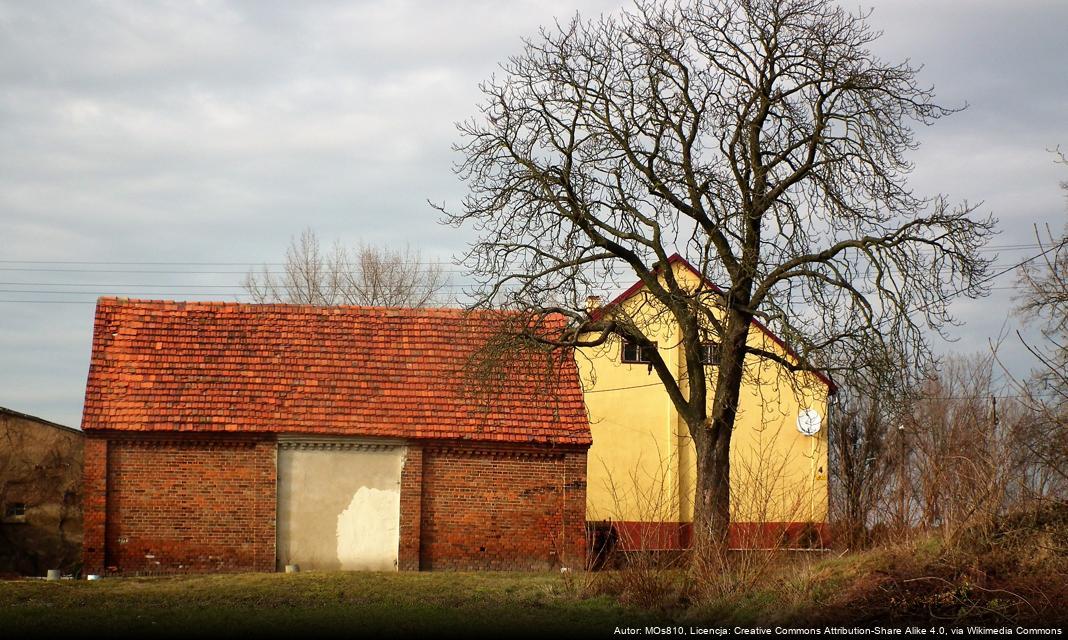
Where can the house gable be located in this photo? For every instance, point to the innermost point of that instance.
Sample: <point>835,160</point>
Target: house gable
<point>689,276</point>
<point>642,467</point>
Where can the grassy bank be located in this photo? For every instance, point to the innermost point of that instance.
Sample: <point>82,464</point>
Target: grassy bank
<point>1013,571</point>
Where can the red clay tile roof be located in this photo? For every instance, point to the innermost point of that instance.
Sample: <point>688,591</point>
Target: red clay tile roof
<point>368,371</point>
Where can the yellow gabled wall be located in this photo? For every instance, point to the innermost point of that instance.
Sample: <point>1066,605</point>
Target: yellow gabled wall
<point>642,465</point>
<point>634,467</point>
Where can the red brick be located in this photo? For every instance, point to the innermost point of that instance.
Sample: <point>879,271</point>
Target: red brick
<point>411,510</point>
<point>503,508</point>
<point>198,502</point>
<point>186,504</point>
<point>94,503</point>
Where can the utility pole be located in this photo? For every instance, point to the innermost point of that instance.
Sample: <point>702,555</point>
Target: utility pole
<point>901,469</point>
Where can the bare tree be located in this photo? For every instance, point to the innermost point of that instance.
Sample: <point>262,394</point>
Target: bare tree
<point>861,436</point>
<point>951,453</point>
<point>1043,300</point>
<point>760,139</point>
<point>365,275</point>
<point>964,455</point>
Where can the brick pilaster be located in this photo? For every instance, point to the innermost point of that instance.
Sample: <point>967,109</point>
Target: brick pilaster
<point>95,504</point>
<point>411,509</point>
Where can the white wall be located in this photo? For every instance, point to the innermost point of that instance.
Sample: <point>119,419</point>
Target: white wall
<point>339,505</point>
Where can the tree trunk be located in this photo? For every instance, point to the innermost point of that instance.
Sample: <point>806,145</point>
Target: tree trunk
<point>712,514</point>
<point>712,508</point>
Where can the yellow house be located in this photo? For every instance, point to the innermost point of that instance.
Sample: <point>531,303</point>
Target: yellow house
<point>641,471</point>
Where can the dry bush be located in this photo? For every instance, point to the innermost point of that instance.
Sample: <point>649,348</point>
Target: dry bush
<point>645,575</point>
<point>766,496</point>
<point>968,451</point>
<point>1010,569</point>
<point>952,455</point>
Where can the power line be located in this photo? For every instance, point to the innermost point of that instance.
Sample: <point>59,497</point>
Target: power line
<point>227,291</point>
<point>235,288</point>
<point>171,285</point>
<point>994,276</point>
<point>637,386</point>
<point>162,271</point>
<point>141,286</point>
<point>141,289</point>
<point>93,302</point>
<point>129,284</point>
<point>194,263</point>
<point>133,272</point>
<point>253,263</point>
<point>952,294</point>
<point>157,263</point>
<point>258,265</point>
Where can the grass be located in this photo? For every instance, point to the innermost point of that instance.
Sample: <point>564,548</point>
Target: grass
<point>382,604</point>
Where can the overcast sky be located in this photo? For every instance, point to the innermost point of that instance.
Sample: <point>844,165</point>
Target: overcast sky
<point>211,132</point>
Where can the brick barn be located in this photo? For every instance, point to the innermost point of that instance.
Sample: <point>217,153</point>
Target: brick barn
<point>235,437</point>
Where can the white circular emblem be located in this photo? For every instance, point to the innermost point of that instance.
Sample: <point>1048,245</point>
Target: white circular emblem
<point>808,422</point>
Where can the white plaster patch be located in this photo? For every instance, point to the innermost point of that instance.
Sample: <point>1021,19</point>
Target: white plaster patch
<point>368,531</point>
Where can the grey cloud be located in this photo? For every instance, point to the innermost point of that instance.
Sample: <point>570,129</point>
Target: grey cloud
<point>213,131</point>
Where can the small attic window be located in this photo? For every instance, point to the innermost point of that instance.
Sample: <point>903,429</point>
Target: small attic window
<point>710,353</point>
<point>635,354</point>
<point>15,512</point>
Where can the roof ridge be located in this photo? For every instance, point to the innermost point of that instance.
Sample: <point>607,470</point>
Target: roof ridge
<point>157,302</point>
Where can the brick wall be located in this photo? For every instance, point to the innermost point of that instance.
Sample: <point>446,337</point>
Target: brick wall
<point>176,505</point>
<point>94,503</point>
<point>502,508</point>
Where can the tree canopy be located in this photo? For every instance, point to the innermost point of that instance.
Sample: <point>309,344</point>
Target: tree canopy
<point>760,139</point>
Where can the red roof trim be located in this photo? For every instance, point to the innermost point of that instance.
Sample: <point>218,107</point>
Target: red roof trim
<point>677,259</point>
